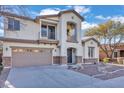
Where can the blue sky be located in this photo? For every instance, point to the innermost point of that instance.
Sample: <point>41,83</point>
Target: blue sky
<point>93,14</point>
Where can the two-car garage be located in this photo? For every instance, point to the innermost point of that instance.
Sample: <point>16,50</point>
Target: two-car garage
<point>23,57</point>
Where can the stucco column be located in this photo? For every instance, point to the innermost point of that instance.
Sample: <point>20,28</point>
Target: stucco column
<point>63,55</point>
<point>6,61</point>
<point>79,51</point>
<point>7,56</point>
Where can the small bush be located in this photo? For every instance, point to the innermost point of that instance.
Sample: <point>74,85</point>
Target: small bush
<point>1,68</point>
<point>106,60</point>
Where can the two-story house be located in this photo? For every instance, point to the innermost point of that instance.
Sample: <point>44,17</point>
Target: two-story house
<point>46,40</point>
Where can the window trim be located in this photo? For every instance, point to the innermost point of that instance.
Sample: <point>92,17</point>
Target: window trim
<point>89,52</point>
<point>47,24</point>
<point>13,24</point>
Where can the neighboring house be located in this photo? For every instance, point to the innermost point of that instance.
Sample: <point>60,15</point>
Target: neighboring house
<point>46,40</point>
<point>118,53</point>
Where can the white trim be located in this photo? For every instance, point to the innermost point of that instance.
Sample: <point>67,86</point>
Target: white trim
<point>49,21</point>
<point>52,55</point>
<point>40,30</point>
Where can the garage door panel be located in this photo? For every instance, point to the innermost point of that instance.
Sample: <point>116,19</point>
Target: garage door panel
<point>23,59</point>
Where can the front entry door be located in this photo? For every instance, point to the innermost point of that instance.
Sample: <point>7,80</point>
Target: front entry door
<point>69,55</point>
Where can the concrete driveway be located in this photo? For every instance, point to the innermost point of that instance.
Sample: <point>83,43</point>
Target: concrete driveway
<point>47,77</point>
<point>111,83</point>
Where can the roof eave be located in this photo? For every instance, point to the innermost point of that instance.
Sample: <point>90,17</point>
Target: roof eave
<point>15,15</point>
<point>60,13</point>
<point>83,41</point>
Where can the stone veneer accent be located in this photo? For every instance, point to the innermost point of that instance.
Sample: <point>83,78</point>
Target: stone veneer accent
<point>78,59</point>
<point>59,59</point>
<point>6,61</point>
<point>63,59</point>
<point>93,60</point>
<point>56,59</point>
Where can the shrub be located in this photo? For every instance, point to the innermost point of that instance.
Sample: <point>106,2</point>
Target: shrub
<point>1,68</point>
<point>106,60</point>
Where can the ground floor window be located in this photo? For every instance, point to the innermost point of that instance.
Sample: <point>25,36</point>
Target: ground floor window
<point>91,52</point>
<point>115,54</point>
<point>121,53</point>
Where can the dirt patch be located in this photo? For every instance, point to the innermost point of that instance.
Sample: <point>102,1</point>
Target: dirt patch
<point>101,71</point>
<point>111,75</point>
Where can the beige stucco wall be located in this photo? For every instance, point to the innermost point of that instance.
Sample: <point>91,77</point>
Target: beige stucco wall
<point>28,30</point>
<point>7,52</point>
<point>61,27</point>
<point>8,45</point>
<point>90,43</point>
<point>67,17</point>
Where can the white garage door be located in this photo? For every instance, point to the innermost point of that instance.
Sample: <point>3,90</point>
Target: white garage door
<point>31,57</point>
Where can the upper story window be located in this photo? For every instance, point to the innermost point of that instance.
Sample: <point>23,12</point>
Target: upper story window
<point>13,24</point>
<point>91,52</point>
<point>51,32</point>
<point>48,31</point>
<point>44,30</point>
<point>71,32</point>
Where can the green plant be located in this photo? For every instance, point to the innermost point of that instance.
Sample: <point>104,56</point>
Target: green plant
<point>106,60</point>
<point>1,68</point>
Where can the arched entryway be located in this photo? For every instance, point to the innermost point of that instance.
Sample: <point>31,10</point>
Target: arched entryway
<point>71,55</point>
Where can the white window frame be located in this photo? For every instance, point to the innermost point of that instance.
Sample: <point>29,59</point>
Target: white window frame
<point>89,51</point>
<point>47,24</point>
<point>13,24</point>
